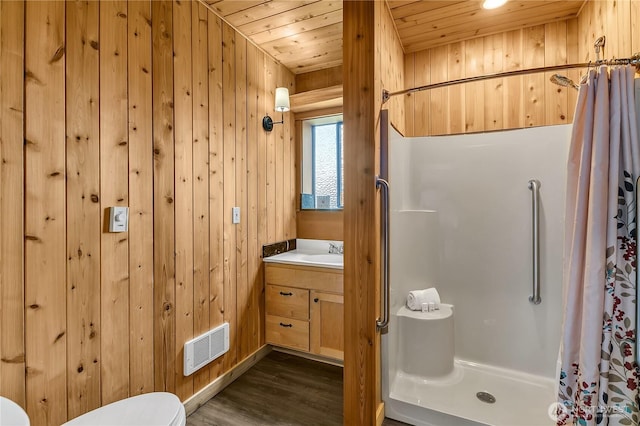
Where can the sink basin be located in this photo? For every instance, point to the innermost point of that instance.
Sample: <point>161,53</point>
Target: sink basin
<point>296,257</point>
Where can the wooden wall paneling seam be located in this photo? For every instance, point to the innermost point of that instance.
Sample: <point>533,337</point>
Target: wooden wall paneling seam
<point>12,196</point>
<point>409,99</point>
<point>635,25</point>
<point>610,23</point>
<point>230,258</point>
<point>83,207</point>
<point>45,230</point>
<point>270,87</point>
<point>586,38</point>
<point>622,23</point>
<point>361,213</point>
<point>261,142</point>
<point>555,98</point>
<point>141,371</point>
<point>279,159</point>
<point>163,195</point>
<point>533,42</point>
<point>216,182</point>
<point>474,92</point>
<point>494,88</point>
<point>114,189</point>
<point>183,163</point>
<point>572,57</point>
<point>287,165</point>
<point>599,20</point>
<point>251,213</point>
<point>242,288</point>
<point>438,102</point>
<point>201,148</point>
<point>422,101</point>
<point>392,75</point>
<point>292,167</point>
<point>456,98</point>
<point>513,102</point>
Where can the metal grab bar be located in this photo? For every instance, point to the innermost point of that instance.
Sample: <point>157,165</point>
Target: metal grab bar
<point>384,321</point>
<point>534,186</point>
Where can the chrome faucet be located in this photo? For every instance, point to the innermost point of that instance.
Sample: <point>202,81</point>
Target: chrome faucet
<point>336,249</point>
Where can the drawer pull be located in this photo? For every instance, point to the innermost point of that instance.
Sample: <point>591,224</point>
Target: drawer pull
<point>282,293</point>
<point>316,300</point>
<point>285,325</point>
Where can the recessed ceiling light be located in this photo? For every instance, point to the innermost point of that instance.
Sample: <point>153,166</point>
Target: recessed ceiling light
<point>493,4</point>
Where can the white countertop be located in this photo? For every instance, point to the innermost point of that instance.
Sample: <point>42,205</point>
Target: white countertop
<point>310,253</point>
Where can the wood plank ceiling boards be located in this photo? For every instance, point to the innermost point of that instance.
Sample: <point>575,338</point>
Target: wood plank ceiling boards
<point>306,35</point>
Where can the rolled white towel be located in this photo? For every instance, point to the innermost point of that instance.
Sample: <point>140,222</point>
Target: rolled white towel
<point>416,298</point>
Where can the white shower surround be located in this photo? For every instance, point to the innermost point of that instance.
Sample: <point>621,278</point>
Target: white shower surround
<point>461,222</point>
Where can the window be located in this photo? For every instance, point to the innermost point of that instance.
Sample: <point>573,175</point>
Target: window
<point>323,169</point>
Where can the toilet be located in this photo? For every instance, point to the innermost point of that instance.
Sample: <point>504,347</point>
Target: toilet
<point>12,414</point>
<point>149,409</point>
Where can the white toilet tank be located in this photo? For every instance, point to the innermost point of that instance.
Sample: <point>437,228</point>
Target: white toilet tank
<point>12,414</point>
<point>150,409</point>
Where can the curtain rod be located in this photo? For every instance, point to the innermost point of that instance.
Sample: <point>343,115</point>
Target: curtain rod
<point>634,60</point>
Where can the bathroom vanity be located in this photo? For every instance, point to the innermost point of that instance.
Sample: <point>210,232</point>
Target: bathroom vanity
<point>304,302</point>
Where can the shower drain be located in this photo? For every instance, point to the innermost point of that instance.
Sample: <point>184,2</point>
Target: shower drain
<point>486,397</point>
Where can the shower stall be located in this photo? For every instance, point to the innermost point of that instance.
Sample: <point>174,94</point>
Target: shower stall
<point>461,217</point>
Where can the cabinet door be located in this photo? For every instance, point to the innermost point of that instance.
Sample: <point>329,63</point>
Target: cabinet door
<point>327,324</point>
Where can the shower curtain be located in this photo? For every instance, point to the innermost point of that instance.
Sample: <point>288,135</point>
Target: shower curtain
<point>599,376</point>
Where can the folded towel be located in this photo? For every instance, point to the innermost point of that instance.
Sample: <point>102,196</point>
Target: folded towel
<point>416,298</point>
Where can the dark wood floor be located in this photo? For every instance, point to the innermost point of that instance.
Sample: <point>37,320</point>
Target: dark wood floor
<point>279,390</point>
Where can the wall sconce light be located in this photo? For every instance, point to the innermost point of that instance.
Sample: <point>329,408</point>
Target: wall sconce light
<point>282,105</point>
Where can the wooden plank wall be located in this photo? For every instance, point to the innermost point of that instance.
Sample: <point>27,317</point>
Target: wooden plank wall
<point>498,104</point>
<point>514,102</point>
<point>390,56</point>
<point>164,118</point>
<point>619,21</point>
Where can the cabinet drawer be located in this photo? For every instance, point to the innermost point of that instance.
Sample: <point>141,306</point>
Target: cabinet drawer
<point>287,302</point>
<point>287,332</point>
<point>312,278</point>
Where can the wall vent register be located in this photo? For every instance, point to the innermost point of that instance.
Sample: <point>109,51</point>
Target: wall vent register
<point>203,349</point>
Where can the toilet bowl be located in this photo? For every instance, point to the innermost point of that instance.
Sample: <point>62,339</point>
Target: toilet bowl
<point>12,414</point>
<point>150,409</point>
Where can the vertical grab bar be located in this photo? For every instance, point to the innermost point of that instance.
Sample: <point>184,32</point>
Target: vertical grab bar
<point>534,186</point>
<point>384,321</point>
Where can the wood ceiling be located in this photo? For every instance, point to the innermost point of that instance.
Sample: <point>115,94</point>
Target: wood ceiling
<point>306,35</point>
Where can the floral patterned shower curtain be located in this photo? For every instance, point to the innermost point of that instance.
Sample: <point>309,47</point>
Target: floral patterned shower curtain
<point>599,379</point>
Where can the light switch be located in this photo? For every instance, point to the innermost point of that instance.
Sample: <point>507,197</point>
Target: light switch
<point>118,219</point>
<point>236,214</point>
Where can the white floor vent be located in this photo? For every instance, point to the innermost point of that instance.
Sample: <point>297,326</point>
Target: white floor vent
<point>205,348</point>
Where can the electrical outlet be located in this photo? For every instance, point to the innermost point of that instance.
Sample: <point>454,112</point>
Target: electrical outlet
<point>236,214</point>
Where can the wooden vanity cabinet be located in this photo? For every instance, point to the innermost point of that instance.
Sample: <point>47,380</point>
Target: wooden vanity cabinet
<point>304,309</point>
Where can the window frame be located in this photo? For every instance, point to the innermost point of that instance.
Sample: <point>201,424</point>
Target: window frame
<point>339,160</point>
